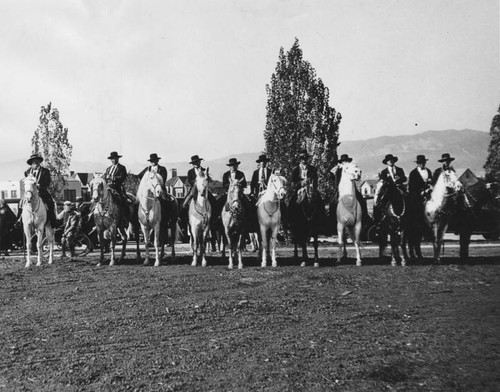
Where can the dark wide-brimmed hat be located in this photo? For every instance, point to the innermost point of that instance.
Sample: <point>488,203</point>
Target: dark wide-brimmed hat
<point>79,198</point>
<point>153,157</point>
<point>303,154</point>
<point>262,158</point>
<point>195,158</point>
<point>33,157</point>
<point>233,161</point>
<point>421,159</point>
<point>446,158</point>
<point>114,155</point>
<point>345,158</point>
<point>68,203</point>
<point>390,157</point>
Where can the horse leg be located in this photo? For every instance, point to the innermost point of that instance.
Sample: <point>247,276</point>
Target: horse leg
<point>272,245</point>
<point>49,234</point>
<point>100,235</point>
<point>230,246</point>
<point>112,246</point>
<point>340,240</point>
<point>173,235</point>
<point>394,247</point>
<point>124,235</point>
<point>316,257</point>
<point>356,235</point>
<point>157,244</point>
<point>465,234</point>
<point>303,244</point>
<point>39,243</point>
<point>194,246</point>
<point>263,234</point>
<point>145,232</point>
<point>203,247</point>
<point>239,247</point>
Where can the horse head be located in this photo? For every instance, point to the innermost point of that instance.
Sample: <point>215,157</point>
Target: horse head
<point>30,187</point>
<point>98,187</point>
<point>151,182</point>
<point>351,171</point>
<point>451,182</point>
<point>233,192</point>
<point>277,184</point>
<point>202,182</point>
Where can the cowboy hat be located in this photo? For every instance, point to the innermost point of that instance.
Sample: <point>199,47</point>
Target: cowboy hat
<point>68,203</point>
<point>79,198</point>
<point>446,158</point>
<point>345,158</point>
<point>233,161</point>
<point>421,159</point>
<point>114,155</point>
<point>390,157</point>
<point>153,157</point>
<point>33,157</point>
<point>195,158</point>
<point>262,158</point>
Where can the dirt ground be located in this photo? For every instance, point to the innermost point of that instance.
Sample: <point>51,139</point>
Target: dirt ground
<point>72,326</point>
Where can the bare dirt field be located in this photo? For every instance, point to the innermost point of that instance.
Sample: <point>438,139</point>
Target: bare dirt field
<point>72,326</point>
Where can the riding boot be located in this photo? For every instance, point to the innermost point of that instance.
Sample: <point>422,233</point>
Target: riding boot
<point>51,214</point>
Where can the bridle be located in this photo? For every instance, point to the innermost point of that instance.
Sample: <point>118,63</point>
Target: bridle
<point>276,191</point>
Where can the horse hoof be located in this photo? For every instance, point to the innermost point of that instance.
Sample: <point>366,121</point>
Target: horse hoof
<point>403,263</point>
<point>145,264</point>
<point>316,265</point>
<point>393,263</point>
<point>358,263</point>
<point>263,265</point>
<point>230,266</point>
<point>303,264</point>
<point>157,264</point>
<point>240,266</point>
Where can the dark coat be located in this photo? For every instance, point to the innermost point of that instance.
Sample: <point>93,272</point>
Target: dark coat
<point>255,183</point>
<point>162,171</point>
<point>385,176</point>
<point>42,177</point>
<point>119,176</point>
<point>312,174</point>
<point>416,184</point>
<point>437,173</point>
<point>70,225</point>
<point>239,176</point>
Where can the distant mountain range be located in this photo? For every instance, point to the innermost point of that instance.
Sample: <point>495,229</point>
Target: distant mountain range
<point>470,148</point>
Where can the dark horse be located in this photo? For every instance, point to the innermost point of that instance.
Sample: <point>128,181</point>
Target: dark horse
<point>7,221</point>
<point>390,204</point>
<point>304,215</point>
<point>478,209</point>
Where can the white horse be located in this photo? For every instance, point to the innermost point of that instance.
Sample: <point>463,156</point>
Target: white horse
<point>200,212</point>
<point>269,215</point>
<point>349,212</point>
<point>233,220</point>
<point>35,221</point>
<point>440,206</point>
<point>148,197</point>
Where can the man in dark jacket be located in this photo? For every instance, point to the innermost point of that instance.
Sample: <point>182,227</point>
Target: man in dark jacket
<point>233,174</point>
<point>116,174</point>
<point>43,178</point>
<point>419,181</point>
<point>304,173</point>
<point>392,173</point>
<point>260,177</point>
<point>191,182</point>
<point>155,167</point>
<point>446,160</point>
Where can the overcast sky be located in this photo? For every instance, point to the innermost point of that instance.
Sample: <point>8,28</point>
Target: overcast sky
<point>188,77</point>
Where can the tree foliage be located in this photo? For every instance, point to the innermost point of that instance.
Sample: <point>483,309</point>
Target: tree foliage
<point>51,142</point>
<point>492,165</point>
<point>299,117</point>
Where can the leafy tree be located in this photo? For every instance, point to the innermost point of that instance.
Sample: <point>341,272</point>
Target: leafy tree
<point>492,165</point>
<point>299,117</point>
<point>51,142</point>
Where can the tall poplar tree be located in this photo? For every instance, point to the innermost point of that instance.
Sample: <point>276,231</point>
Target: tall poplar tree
<point>51,142</point>
<point>492,165</point>
<point>300,117</point>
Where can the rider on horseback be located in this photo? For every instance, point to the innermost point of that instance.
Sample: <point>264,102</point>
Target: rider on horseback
<point>392,176</point>
<point>233,174</point>
<point>337,174</point>
<point>154,167</point>
<point>446,160</point>
<point>191,181</point>
<point>42,176</point>
<point>260,177</point>
<point>304,181</point>
<point>115,176</point>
